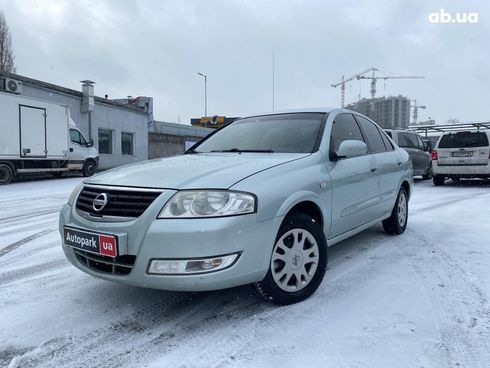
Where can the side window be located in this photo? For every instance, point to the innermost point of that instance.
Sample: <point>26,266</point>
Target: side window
<point>75,136</point>
<point>372,134</point>
<point>420,143</point>
<point>344,128</point>
<point>407,140</point>
<point>388,144</point>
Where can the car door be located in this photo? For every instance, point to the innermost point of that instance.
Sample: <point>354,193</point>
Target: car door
<point>389,169</point>
<point>408,142</point>
<point>423,154</point>
<point>77,146</point>
<point>354,181</point>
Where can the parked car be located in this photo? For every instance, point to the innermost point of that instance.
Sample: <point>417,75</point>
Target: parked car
<point>257,201</point>
<point>461,155</point>
<point>418,151</point>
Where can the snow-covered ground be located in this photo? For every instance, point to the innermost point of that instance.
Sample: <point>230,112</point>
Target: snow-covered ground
<point>417,300</point>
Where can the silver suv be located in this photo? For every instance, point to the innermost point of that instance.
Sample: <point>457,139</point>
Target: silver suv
<point>255,202</point>
<point>464,154</point>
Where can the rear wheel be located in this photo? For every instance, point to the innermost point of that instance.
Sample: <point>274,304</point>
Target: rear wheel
<point>88,168</point>
<point>298,262</point>
<point>6,174</point>
<point>428,174</point>
<point>397,222</point>
<point>438,180</point>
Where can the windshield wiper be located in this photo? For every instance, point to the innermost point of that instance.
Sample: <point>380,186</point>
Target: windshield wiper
<point>190,152</point>
<point>245,150</point>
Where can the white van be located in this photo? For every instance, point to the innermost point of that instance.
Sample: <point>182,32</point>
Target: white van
<point>464,154</point>
<point>37,136</point>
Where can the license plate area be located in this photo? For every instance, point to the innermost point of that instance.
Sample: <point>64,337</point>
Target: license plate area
<point>462,154</point>
<point>93,242</point>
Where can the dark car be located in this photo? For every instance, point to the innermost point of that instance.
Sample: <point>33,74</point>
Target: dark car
<point>416,148</point>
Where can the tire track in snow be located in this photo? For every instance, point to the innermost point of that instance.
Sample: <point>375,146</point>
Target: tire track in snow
<point>11,247</point>
<point>455,299</point>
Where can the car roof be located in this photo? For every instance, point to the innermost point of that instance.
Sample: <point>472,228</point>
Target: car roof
<point>323,110</point>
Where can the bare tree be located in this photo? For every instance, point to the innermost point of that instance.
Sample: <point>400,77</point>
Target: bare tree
<point>6,54</point>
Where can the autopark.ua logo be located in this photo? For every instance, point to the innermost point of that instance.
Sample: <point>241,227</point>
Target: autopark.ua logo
<point>447,18</point>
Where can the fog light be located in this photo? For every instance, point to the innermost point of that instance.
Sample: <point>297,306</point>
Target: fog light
<point>191,266</point>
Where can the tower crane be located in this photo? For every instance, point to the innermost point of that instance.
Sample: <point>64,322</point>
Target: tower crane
<point>416,108</point>
<point>374,78</point>
<point>343,81</point>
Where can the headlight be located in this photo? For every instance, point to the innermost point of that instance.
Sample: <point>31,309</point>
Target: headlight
<point>208,203</point>
<point>74,194</point>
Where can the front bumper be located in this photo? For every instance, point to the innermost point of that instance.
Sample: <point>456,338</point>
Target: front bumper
<point>149,238</point>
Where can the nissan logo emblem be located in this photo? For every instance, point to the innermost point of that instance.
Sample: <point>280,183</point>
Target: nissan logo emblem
<point>100,202</point>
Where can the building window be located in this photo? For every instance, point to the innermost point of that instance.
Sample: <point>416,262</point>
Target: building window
<point>105,141</point>
<point>127,143</point>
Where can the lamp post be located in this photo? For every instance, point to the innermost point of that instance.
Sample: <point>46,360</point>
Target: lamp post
<point>205,95</point>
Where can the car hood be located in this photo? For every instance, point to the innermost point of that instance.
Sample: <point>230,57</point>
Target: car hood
<point>204,170</point>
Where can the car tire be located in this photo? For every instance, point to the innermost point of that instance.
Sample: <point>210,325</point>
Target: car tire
<point>88,168</point>
<point>428,174</point>
<point>298,261</point>
<point>397,222</point>
<point>6,174</point>
<point>438,180</point>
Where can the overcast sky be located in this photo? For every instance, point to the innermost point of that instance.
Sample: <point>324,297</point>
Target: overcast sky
<point>155,48</point>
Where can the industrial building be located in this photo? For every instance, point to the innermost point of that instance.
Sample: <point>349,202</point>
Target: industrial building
<point>391,112</point>
<point>119,128</point>
<point>169,139</point>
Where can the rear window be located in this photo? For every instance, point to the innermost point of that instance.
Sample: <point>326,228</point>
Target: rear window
<point>464,139</point>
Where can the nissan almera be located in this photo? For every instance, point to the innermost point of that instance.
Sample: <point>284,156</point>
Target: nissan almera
<point>256,202</point>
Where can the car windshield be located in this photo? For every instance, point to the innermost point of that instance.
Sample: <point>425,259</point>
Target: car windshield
<point>286,133</point>
<point>464,139</point>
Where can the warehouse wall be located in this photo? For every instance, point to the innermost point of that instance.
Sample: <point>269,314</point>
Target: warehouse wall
<point>166,145</point>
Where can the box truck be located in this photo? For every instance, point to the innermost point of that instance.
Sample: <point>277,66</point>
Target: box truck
<point>38,136</point>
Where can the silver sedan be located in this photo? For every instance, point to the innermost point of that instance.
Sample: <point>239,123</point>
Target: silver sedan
<point>256,202</point>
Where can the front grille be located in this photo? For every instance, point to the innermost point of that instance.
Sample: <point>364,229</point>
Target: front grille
<point>121,202</point>
<point>121,265</point>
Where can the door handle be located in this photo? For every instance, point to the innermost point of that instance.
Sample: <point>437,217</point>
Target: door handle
<point>374,169</point>
<point>399,163</point>
<point>71,149</point>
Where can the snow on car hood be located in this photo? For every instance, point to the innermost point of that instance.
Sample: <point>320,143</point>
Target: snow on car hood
<point>204,170</point>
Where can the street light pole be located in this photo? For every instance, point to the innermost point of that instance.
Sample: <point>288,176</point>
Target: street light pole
<point>205,95</point>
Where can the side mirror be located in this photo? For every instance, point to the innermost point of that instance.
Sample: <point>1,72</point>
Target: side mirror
<point>351,148</point>
<point>90,143</point>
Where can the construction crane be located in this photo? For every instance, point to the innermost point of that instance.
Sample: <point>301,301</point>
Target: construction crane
<point>374,78</point>
<point>416,108</point>
<point>343,81</point>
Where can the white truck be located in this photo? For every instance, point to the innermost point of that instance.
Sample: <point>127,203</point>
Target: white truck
<point>37,136</point>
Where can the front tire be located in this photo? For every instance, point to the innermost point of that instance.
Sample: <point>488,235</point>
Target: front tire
<point>397,222</point>
<point>88,168</point>
<point>6,174</point>
<point>298,262</point>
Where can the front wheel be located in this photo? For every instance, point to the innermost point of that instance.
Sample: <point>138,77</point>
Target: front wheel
<point>298,262</point>
<point>88,168</point>
<point>397,222</point>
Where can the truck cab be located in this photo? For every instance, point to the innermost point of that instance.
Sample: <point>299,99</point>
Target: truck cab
<point>82,154</point>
